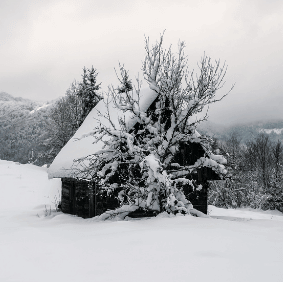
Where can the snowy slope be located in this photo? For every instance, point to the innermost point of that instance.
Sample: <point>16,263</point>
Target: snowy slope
<point>40,108</point>
<point>239,246</point>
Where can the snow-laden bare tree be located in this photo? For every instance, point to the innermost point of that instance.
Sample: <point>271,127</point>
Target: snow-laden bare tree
<point>137,161</point>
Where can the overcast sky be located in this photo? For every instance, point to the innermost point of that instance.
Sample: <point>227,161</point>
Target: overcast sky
<point>45,44</point>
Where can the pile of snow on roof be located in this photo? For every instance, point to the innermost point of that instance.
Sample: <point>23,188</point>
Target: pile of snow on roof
<point>82,143</point>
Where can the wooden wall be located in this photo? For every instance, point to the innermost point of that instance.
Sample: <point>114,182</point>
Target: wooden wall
<point>74,197</point>
<point>83,199</point>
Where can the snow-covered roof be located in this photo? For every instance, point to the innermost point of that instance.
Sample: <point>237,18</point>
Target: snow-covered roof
<point>78,147</point>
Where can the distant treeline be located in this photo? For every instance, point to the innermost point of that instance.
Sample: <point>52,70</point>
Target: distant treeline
<point>255,173</point>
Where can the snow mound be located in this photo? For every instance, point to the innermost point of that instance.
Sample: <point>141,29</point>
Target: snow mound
<point>244,213</point>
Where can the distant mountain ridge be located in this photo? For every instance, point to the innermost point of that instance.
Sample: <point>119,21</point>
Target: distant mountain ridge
<point>7,97</point>
<point>246,131</point>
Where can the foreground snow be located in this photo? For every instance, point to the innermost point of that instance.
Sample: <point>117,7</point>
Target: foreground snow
<point>232,245</point>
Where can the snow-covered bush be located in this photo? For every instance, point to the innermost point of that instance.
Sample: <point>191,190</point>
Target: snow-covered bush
<point>233,194</point>
<point>137,161</point>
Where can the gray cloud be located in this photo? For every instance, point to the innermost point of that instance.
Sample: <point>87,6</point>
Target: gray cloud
<point>45,44</point>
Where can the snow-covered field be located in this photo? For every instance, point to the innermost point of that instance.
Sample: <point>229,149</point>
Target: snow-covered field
<point>232,245</point>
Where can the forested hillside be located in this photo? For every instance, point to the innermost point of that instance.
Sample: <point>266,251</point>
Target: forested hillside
<point>23,128</point>
<point>35,132</point>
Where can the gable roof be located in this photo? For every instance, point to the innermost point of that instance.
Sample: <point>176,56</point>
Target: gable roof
<point>82,145</point>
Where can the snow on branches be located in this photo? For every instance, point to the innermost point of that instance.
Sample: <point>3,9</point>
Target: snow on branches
<point>140,142</point>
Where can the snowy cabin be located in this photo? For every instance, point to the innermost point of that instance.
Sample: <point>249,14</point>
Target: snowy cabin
<point>80,197</point>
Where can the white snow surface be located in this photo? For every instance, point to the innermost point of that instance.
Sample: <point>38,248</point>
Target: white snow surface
<point>82,144</point>
<point>274,130</point>
<point>40,108</point>
<point>242,245</point>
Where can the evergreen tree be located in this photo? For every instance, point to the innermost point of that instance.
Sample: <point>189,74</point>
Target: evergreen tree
<point>125,81</point>
<point>88,91</point>
<point>70,111</point>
